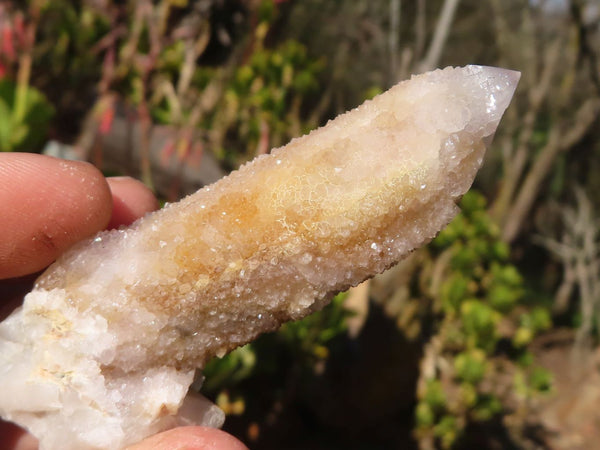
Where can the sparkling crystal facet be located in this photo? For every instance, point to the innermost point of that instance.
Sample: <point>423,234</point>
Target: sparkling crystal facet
<point>104,348</point>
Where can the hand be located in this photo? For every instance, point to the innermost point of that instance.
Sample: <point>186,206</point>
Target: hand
<point>47,205</point>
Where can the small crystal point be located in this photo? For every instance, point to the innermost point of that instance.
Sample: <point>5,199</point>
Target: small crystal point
<point>105,347</point>
<point>501,85</point>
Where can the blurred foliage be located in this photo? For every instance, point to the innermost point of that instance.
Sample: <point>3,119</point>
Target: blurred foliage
<point>235,78</point>
<point>307,341</point>
<point>482,332</point>
<point>267,92</point>
<point>306,345</point>
<point>151,55</point>
<point>25,112</point>
<point>24,116</point>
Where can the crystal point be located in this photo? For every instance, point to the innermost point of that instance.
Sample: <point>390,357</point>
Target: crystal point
<point>104,348</point>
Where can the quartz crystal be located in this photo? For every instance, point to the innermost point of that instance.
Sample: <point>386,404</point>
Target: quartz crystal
<point>104,349</point>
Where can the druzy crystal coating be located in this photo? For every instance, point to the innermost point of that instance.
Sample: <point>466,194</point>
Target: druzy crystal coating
<point>104,348</point>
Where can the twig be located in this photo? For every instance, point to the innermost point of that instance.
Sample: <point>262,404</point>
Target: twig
<point>586,49</point>
<point>579,252</point>
<point>440,36</point>
<point>420,29</point>
<point>515,161</point>
<point>25,62</point>
<point>557,141</point>
<point>393,38</point>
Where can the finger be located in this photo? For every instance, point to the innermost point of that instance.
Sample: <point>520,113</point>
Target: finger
<point>46,205</point>
<point>131,200</point>
<point>13,437</point>
<point>190,438</point>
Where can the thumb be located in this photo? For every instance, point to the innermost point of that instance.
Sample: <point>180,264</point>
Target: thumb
<point>46,205</point>
<point>190,438</point>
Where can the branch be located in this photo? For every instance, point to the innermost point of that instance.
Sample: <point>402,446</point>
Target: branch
<point>393,38</point>
<point>584,119</point>
<point>440,36</point>
<point>578,253</point>
<point>515,162</point>
<point>586,48</point>
<point>420,29</point>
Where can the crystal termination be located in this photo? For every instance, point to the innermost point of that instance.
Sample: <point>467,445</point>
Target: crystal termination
<point>104,348</point>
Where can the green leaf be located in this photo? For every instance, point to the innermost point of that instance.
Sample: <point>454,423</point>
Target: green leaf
<point>472,201</point>
<point>18,135</point>
<point>525,359</point>
<point>435,396</point>
<point>479,322</point>
<point>487,407</point>
<point>470,366</point>
<point>468,395</point>
<point>540,319</point>
<point>424,415</point>
<point>500,251</point>
<point>541,379</point>
<point>503,297</point>
<point>373,91</point>
<point>229,370</point>
<point>266,11</point>
<point>454,291</point>
<point>522,337</point>
<point>446,430</point>
<point>31,131</point>
<point>5,126</point>
<point>465,259</point>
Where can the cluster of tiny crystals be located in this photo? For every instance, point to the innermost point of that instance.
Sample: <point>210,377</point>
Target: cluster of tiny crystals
<point>111,336</point>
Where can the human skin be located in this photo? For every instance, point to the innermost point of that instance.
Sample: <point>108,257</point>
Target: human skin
<point>46,206</point>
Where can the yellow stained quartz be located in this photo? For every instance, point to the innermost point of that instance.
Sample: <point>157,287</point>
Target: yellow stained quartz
<point>271,242</point>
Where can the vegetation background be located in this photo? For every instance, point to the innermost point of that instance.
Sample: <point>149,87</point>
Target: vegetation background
<point>488,338</point>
